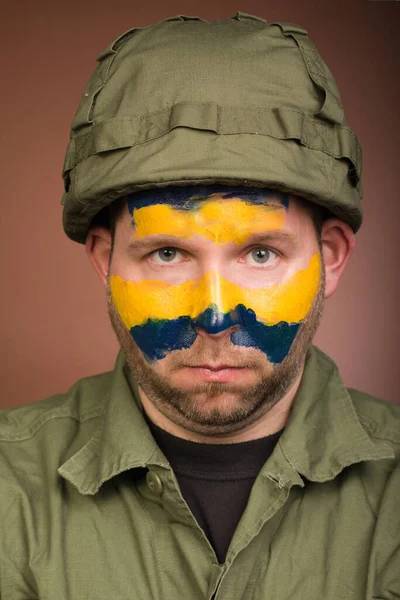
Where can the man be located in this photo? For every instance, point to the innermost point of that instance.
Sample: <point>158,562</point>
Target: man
<point>216,185</point>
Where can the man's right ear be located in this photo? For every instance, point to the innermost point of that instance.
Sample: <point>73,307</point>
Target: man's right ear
<point>98,247</point>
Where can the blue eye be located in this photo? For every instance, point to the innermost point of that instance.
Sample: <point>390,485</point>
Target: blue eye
<point>166,254</point>
<point>261,255</point>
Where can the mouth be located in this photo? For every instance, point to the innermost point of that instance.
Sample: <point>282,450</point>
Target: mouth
<point>222,373</point>
<point>215,367</point>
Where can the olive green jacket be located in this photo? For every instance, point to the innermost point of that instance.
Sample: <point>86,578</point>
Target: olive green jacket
<point>91,510</point>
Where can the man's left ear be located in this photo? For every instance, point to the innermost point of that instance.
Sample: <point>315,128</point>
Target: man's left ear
<point>338,241</point>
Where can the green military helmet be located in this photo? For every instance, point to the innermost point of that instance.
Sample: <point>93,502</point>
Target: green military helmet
<point>234,101</point>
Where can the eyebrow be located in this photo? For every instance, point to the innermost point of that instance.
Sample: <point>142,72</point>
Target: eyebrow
<point>274,235</point>
<point>151,241</point>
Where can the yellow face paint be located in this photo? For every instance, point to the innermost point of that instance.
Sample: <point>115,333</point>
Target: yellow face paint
<point>222,222</point>
<point>289,301</point>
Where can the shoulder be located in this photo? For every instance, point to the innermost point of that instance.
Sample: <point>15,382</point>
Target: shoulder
<point>37,438</point>
<point>380,418</point>
<point>81,402</point>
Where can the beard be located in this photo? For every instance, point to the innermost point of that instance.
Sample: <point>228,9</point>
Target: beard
<point>217,408</point>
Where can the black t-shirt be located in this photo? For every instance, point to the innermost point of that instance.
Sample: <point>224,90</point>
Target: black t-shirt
<point>215,480</point>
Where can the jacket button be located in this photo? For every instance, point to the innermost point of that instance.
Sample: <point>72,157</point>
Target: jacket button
<point>154,483</point>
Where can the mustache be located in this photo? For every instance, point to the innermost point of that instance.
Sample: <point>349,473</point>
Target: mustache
<point>222,365</point>
<point>216,352</point>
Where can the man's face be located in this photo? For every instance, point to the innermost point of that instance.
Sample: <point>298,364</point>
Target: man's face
<point>204,278</point>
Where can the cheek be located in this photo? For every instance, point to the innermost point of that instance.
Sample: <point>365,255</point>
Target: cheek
<point>138,302</point>
<point>288,302</point>
<point>273,321</point>
<point>152,312</point>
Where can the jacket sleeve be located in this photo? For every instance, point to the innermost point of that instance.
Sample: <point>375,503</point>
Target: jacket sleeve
<point>387,542</point>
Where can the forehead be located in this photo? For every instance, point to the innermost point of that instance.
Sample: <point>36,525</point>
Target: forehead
<point>221,214</point>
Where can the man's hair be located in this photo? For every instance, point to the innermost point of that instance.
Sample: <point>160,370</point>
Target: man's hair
<point>109,216</point>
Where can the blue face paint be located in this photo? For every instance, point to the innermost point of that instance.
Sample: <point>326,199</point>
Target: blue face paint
<point>188,200</point>
<point>157,338</point>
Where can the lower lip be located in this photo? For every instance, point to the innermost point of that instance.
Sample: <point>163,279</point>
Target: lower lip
<point>223,375</point>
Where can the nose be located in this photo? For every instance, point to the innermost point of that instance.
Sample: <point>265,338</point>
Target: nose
<point>221,309</point>
<point>217,336</point>
<point>214,322</point>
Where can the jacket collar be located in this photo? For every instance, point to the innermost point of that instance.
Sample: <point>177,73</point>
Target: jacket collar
<point>323,434</point>
<point>122,440</point>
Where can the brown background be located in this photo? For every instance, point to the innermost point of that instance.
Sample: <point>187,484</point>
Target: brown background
<point>54,323</point>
